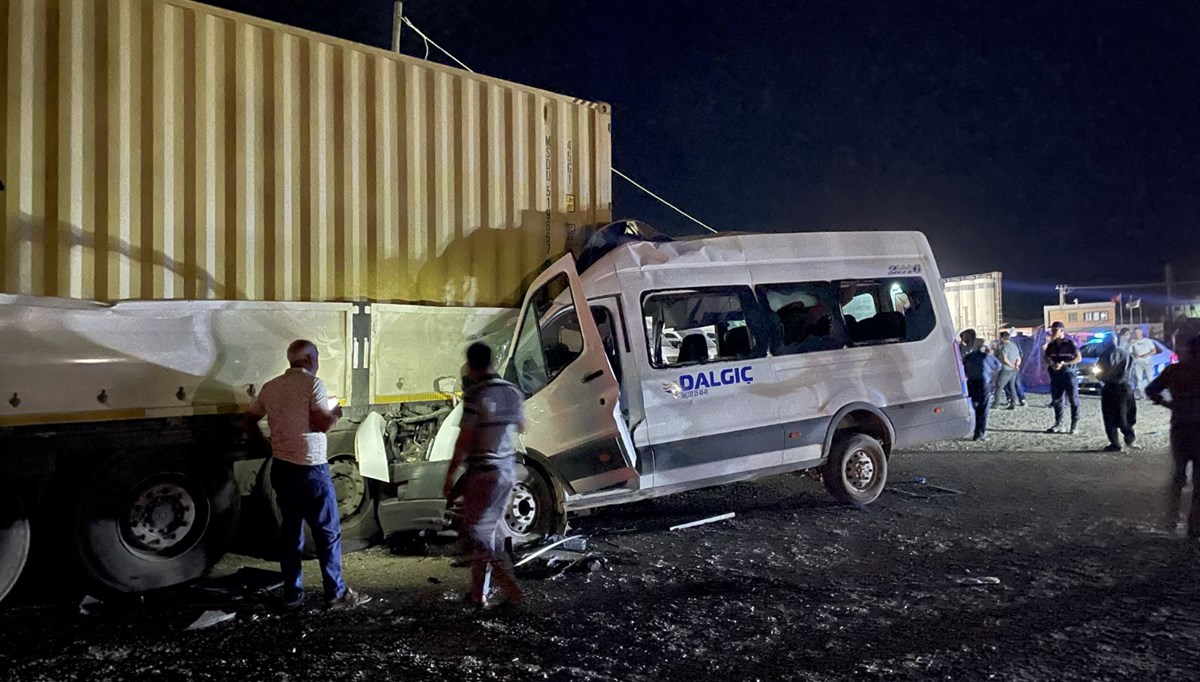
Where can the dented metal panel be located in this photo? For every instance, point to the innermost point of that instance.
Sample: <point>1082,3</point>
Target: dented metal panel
<point>163,149</point>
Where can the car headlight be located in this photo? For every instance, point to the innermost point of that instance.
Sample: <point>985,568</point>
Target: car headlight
<point>1095,369</point>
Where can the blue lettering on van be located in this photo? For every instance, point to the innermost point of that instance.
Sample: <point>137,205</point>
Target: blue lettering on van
<point>699,383</point>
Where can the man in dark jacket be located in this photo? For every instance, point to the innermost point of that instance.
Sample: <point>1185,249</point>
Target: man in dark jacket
<point>1182,382</point>
<point>1117,405</point>
<point>981,367</point>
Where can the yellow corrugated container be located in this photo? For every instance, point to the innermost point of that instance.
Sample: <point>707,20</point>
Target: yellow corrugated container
<point>164,149</point>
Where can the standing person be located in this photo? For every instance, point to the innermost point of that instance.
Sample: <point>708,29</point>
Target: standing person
<point>1061,356</point>
<point>1183,383</point>
<point>1009,356</point>
<point>1117,405</point>
<point>299,414</point>
<point>967,343</point>
<point>493,415</point>
<point>980,366</point>
<point>1142,349</point>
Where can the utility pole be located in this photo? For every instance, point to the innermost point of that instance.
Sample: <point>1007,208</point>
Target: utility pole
<point>1168,318</point>
<point>397,25</point>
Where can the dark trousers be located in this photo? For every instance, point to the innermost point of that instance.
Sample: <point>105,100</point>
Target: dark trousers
<point>1119,410</point>
<point>1185,449</point>
<point>1064,386</point>
<point>305,495</point>
<point>977,391</point>
<point>1004,386</point>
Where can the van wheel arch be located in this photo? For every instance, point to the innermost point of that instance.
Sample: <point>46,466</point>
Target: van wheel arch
<point>862,418</point>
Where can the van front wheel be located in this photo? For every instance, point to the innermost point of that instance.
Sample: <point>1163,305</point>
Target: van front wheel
<point>856,471</point>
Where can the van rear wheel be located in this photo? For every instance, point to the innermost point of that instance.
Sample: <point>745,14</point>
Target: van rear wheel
<point>856,471</point>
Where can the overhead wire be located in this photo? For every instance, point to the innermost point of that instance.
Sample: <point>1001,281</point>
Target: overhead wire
<point>430,41</point>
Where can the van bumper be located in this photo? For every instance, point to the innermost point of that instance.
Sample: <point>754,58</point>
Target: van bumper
<point>418,503</point>
<point>948,418</point>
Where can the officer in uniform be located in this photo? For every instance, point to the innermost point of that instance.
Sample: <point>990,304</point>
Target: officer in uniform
<point>1062,355</point>
<point>493,415</point>
<point>980,367</point>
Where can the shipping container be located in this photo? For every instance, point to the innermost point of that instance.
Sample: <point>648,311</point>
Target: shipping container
<point>164,149</point>
<point>975,303</point>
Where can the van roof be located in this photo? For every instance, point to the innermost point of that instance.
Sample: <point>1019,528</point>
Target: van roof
<point>750,248</point>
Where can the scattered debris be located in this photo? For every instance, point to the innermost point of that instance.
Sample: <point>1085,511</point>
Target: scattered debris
<point>247,581</point>
<point>211,618</point>
<point>551,545</point>
<point>981,580</point>
<point>435,581</point>
<point>88,601</point>
<point>921,489</point>
<point>701,522</point>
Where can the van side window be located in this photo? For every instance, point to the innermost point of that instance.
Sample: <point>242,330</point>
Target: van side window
<point>695,326</point>
<point>549,338</point>
<point>804,316</point>
<point>890,310</point>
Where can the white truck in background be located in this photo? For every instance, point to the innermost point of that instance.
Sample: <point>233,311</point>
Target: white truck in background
<point>185,190</point>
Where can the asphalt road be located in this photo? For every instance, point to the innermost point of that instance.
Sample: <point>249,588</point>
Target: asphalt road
<point>1048,563</point>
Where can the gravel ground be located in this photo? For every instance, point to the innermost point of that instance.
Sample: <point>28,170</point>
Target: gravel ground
<point>1048,564</point>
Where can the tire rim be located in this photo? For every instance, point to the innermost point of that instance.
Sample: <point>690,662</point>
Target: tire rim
<point>348,485</point>
<point>164,520</point>
<point>860,470</point>
<point>522,509</point>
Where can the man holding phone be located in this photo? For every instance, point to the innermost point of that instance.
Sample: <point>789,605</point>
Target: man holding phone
<point>299,413</point>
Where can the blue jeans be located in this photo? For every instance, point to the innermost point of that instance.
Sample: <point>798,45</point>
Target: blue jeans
<point>305,495</point>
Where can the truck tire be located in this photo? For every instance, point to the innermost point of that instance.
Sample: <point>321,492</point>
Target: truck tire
<point>14,539</point>
<point>151,519</point>
<point>356,505</point>
<point>533,512</point>
<point>856,470</point>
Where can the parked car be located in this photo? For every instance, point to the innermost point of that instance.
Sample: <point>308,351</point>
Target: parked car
<point>1087,370</point>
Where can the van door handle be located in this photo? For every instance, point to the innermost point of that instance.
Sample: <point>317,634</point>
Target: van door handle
<point>594,375</point>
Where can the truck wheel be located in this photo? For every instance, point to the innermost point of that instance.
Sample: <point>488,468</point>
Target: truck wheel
<point>146,520</point>
<point>356,505</point>
<point>14,539</point>
<point>532,512</point>
<point>856,471</point>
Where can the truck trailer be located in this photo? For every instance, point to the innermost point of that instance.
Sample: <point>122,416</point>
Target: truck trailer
<point>185,191</point>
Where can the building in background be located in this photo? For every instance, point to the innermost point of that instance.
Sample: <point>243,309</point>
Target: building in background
<point>1082,317</point>
<point>975,303</point>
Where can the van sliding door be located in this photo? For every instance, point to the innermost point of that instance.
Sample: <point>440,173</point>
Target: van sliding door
<point>572,405</point>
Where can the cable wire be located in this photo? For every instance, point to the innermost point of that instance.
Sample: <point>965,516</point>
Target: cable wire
<point>680,210</point>
<point>430,41</point>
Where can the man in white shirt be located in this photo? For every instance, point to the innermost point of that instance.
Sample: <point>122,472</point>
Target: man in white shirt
<point>1142,349</point>
<point>299,413</point>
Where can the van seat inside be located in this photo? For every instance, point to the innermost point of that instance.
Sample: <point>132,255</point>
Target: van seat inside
<point>737,342</point>
<point>693,348</point>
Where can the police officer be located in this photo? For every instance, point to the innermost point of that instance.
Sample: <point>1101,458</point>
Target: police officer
<point>493,415</point>
<point>1062,355</point>
<point>1117,405</point>
<point>981,367</point>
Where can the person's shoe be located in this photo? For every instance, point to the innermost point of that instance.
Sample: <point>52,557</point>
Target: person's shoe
<point>349,599</point>
<point>1011,406</point>
<point>1057,428</point>
<point>1021,404</point>
<point>1112,447</point>
<point>1074,428</point>
<point>293,601</point>
<point>983,436</point>
<point>1133,446</point>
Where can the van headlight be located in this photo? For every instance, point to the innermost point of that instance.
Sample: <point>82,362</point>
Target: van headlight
<point>1095,369</point>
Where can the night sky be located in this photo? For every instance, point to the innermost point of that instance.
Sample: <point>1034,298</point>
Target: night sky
<point>1057,142</point>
